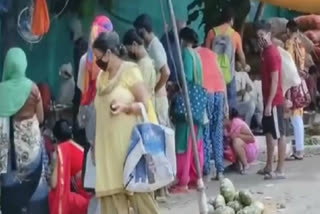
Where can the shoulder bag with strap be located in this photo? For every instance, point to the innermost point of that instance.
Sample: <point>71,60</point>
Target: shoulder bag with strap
<point>300,96</point>
<point>197,95</point>
<point>224,48</point>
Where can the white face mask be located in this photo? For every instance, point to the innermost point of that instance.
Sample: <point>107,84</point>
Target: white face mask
<point>262,43</point>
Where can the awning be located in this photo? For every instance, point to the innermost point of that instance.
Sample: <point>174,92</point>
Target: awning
<point>304,6</point>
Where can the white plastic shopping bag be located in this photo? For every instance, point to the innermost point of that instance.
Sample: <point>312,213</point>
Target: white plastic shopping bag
<point>90,173</point>
<point>94,206</point>
<point>150,162</point>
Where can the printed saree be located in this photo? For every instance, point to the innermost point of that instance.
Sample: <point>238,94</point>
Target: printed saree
<point>69,195</point>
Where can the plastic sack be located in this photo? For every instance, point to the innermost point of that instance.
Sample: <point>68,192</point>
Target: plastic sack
<point>316,54</point>
<point>290,75</point>
<point>313,35</point>
<point>94,206</point>
<point>152,116</point>
<point>278,25</point>
<point>308,22</point>
<point>307,43</point>
<point>151,159</point>
<point>40,19</point>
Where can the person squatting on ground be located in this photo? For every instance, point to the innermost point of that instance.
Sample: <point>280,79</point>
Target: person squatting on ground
<point>242,141</point>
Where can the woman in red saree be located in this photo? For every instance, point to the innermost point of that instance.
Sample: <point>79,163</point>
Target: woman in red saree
<point>67,195</point>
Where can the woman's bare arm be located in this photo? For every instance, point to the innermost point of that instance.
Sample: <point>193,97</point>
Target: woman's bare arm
<point>39,106</point>
<point>54,175</point>
<point>141,95</point>
<point>246,135</point>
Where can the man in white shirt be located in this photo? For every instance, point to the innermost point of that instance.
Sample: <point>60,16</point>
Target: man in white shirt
<point>257,92</point>
<point>245,96</point>
<point>156,51</point>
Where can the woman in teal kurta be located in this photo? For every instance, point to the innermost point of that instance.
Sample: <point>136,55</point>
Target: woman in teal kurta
<point>186,174</point>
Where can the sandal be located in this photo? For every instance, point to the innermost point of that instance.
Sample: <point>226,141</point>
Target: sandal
<point>294,157</point>
<point>193,186</point>
<point>179,190</point>
<point>275,176</point>
<point>219,177</point>
<point>243,170</point>
<point>263,171</point>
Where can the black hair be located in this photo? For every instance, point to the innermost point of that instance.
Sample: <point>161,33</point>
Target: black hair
<point>313,70</point>
<point>109,41</point>
<point>227,15</point>
<point>189,35</point>
<point>233,113</point>
<point>262,25</point>
<point>292,26</point>
<point>132,36</point>
<point>62,130</point>
<point>143,21</point>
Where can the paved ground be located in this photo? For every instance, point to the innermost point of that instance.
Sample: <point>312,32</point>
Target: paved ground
<point>299,193</point>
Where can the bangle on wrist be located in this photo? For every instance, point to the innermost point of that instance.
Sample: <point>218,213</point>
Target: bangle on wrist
<point>128,109</point>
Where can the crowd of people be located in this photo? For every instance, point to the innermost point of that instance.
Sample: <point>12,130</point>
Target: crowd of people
<point>114,78</point>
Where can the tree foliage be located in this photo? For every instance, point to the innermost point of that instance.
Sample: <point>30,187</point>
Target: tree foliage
<point>211,11</point>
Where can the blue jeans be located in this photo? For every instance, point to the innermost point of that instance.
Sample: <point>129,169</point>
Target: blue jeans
<point>213,133</point>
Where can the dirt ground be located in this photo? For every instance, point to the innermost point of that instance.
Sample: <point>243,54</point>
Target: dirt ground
<point>296,195</point>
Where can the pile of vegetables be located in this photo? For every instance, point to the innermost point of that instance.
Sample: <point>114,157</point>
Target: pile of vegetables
<point>230,201</point>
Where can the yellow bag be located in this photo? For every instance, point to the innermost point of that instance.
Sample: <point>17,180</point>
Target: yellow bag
<point>152,116</point>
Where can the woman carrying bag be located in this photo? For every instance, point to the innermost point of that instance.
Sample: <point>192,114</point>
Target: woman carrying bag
<point>120,89</point>
<point>186,170</point>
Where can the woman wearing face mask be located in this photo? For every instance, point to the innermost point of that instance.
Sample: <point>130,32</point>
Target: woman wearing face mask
<point>137,52</point>
<point>186,174</point>
<point>120,89</point>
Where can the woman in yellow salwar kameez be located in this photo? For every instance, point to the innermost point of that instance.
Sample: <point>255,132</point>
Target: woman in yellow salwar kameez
<point>120,89</point>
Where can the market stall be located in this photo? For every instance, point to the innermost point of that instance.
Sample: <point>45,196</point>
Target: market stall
<point>304,6</point>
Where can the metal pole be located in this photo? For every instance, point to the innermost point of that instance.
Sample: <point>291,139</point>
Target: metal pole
<point>202,199</point>
<point>259,12</point>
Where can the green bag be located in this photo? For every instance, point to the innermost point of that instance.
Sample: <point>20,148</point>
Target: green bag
<point>224,48</point>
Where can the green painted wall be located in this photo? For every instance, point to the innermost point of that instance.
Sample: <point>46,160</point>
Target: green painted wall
<point>56,48</point>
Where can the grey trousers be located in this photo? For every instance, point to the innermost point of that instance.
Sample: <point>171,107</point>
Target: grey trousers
<point>246,110</point>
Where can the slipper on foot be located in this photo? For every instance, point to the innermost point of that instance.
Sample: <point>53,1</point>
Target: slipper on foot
<point>179,190</point>
<point>275,176</point>
<point>263,171</point>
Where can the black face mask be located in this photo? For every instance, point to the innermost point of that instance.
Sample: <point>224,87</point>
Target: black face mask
<point>131,55</point>
<point>141,34</point>
<point>102,64</point>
